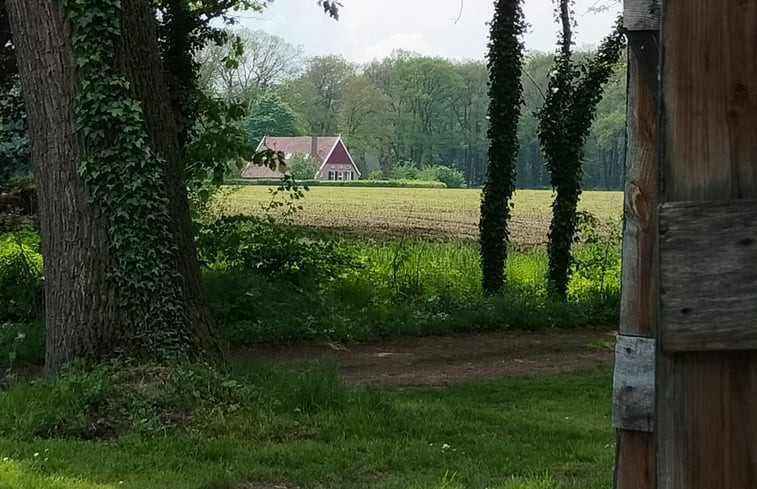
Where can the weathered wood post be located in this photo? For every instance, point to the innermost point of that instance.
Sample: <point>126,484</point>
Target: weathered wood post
<point>633,393</point>
<point>706,423</point>
<point>704,285</point>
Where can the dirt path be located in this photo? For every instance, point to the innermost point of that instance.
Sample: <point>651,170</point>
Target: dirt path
<point>442,360</point>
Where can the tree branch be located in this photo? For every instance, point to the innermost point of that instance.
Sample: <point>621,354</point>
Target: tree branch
<point>567,31</point>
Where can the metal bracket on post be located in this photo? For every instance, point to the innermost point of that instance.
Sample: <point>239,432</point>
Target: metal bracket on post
<point>633,392</point>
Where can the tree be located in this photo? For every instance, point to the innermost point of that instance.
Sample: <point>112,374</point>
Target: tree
<point>384,75</point>
<point>303,167</point>
<point>319,91</point>
<point>429,87</point>
<point>112,199</point>
<point>505,91</point>
<point>250,65</point>
<point>470,108</point>
<point>364,117</point>
<point>574,90</point>
<point>269,115</point>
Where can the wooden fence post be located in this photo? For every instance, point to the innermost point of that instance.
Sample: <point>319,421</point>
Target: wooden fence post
<point>706,415</point>
<point>633,392</point>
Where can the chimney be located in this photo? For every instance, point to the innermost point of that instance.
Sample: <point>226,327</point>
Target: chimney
<point>314,146</point>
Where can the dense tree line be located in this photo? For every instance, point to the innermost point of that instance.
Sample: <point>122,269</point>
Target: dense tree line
<point>404,108</point>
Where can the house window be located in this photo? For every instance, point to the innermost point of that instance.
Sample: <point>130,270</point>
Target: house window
<point>352,175</point>
<point>339,175</point>
<point>331,175</point>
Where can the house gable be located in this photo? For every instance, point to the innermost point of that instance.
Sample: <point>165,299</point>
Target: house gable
<point>337,159</point>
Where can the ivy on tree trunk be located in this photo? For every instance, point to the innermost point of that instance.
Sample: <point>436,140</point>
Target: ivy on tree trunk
<point>505,92</point>
<point>574,90</point>
<point>121,273</point>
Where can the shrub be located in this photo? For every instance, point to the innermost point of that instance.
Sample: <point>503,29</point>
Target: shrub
<point>375,175</point>
<point>451,177</point>
<point>20,277</point>
<point>251,244</point>
<point>302,168</point>
<point>405,170</point>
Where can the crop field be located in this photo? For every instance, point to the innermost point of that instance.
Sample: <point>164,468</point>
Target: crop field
<point>419,213</point>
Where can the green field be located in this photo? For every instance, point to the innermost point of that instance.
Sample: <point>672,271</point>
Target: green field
<point>424,213</point>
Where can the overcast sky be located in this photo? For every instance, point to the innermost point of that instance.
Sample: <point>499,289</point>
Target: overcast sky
<point>372,29</point>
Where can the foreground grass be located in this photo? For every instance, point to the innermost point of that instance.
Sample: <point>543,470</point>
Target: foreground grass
<point>305,429</point>
<point>428,213</point>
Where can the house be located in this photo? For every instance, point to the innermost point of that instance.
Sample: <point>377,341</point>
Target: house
<point>335,162</point>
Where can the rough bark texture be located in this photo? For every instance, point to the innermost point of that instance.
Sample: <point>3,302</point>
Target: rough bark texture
<point>80,312</point>
<point>81,315</point>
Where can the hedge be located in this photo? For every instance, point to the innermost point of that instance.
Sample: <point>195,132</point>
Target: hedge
<point>343,183</point>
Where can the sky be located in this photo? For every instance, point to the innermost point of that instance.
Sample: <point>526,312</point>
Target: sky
<point>372,29</point>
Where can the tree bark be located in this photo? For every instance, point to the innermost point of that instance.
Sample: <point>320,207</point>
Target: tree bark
<point>81,315</point>
<point>567,31</point>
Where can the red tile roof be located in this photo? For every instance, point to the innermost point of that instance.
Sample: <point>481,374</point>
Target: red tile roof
<point>290,146</point>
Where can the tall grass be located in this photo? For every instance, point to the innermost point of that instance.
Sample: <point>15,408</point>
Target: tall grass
<point>410,287</point>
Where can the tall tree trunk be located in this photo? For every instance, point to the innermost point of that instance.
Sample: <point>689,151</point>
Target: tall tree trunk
<point>567,33</point>
<point>138,58</point>
<point>82,318</point>
<point>505,90</point>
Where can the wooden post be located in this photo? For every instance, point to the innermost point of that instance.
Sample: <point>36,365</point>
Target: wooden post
<point>633,393</point>
<point>706,419</point>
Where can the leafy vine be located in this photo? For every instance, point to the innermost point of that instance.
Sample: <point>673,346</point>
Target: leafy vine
<point>125,178</point>
<point>505,91</point>
<point>574,90</point>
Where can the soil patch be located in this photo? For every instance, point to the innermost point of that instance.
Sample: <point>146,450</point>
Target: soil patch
<point>443,360</point>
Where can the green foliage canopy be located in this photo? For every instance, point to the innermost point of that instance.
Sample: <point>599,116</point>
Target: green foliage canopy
<point>270,115</point>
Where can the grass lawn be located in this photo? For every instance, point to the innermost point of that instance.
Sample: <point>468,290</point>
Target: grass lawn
<point>427,213</point>
<point>305,429</point>
<point>263,427</point>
